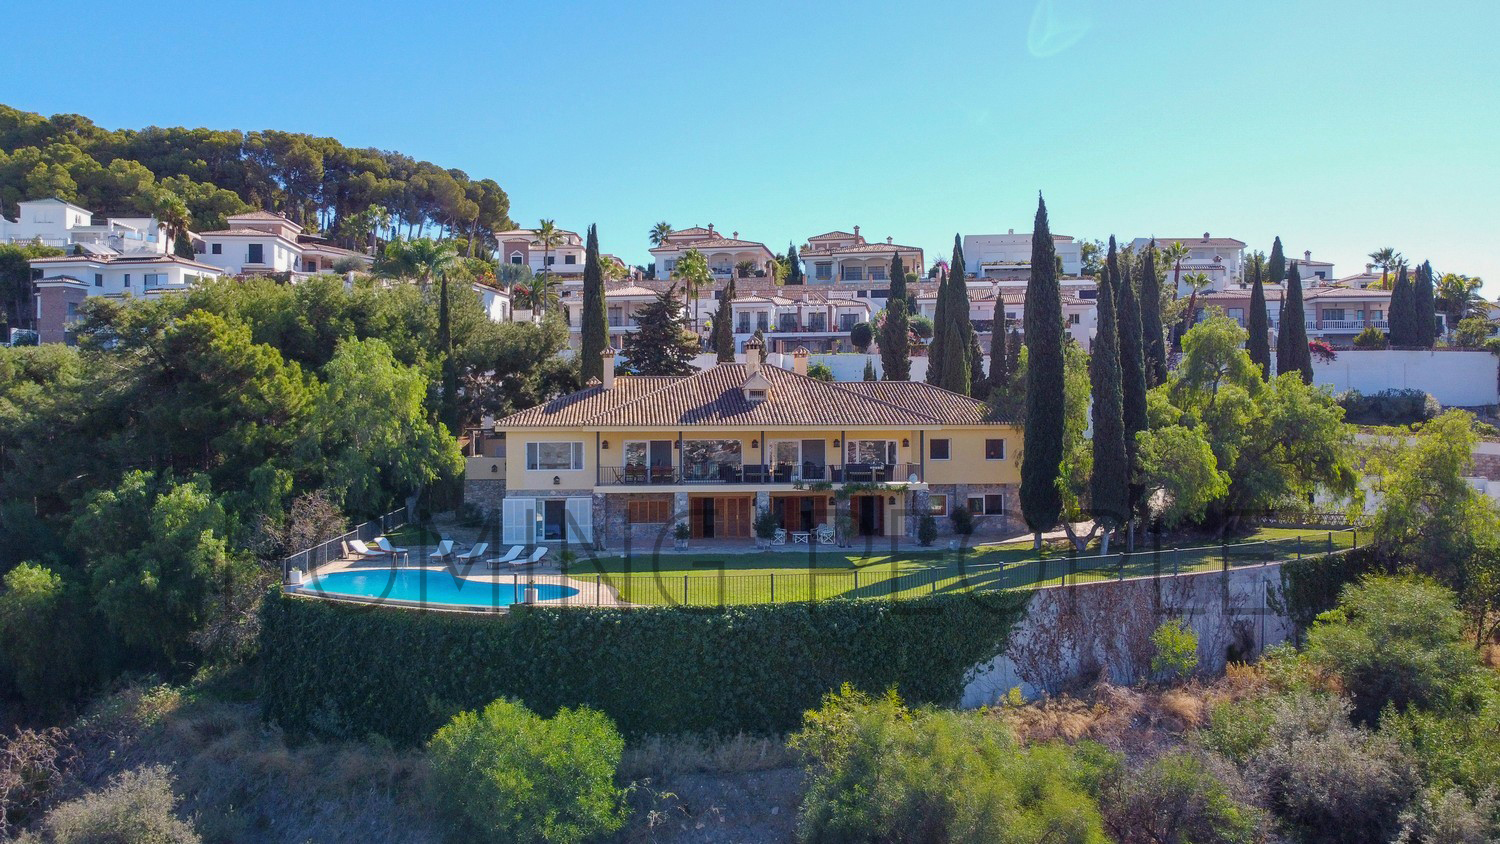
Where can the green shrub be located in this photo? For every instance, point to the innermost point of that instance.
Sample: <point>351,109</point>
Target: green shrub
<point>1371,338</point>
<point>1472,332</point>
<point>1450,817</point>
<point>926,530</point>
<point>342,670</point>
<point>1388,407</point>
<point>963,521</point>
<point>1394,641</point>
<point>765,523</point>
<point>880,772</point>
<point>1176,647</point>
<point>47,639</point>
<point>137,808</point>
<point>820,372</point>
<point>508,775</point>
<point>1177,798</point>
<point>1311,586</point>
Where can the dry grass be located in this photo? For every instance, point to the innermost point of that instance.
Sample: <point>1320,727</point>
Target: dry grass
<point>1490,654</point>
<point>657,757</point>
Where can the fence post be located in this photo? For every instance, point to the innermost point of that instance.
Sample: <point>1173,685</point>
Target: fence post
<point>773,587</point>
<point>1330,542</point>
<point>598,589</point>
<point>1176,561</point>
<point>684,590</point>
<point>1356,537</point>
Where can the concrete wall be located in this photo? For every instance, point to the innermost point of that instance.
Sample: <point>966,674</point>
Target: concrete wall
<point>1454,378</point>
<point>1079,632</point>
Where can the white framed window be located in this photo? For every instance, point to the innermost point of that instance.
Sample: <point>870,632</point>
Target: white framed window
<point>994,449</point>
<point>877,273</point>
<point>976,505</point>
<point>216,248</point>
<point>937,504</point>
<point>823,270</point>
<point>994,504</point>
<point>852,273</point>
<point>870,452</point>
<point>555,456</point>
<point>515,258</point>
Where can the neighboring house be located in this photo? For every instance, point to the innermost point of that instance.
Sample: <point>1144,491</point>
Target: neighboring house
<point>1365,279</point>
<point>494,301</point>
<point>1335,314</point>
<point>520,247</point>
<point>262,243</point>
<point>623,461</point>
<point>62,283</point>
<point>54,222</point>
<point>1008,256</point>
<point>1079,314</point>
<point>1222,259</point>
<point>840,257</point>
<point>789,320</point>
<point>1312,272</point>
<point>622,305</point>
<point>724,254</point>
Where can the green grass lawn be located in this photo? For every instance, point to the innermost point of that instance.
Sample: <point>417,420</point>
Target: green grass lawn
<point>816,572</point>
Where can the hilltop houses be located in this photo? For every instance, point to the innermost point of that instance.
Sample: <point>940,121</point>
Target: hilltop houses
<point>263,243</point>
<point>840,257</point>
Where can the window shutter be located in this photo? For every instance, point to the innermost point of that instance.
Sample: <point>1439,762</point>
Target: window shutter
<point>519,521</point>
<point>580,521</point>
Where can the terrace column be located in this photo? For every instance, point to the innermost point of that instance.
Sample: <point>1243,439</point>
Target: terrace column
<point>679,509</point>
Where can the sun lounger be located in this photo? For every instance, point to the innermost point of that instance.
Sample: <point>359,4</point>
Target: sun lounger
<point>472,554</point>
<point>536,557</point>
<point>360,551</point>
<point>386,546</point>
<point>510,556</point>
<point>443,552</point>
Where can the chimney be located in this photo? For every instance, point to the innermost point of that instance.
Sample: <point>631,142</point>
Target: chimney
<point>1369,268</point>
<point>736,235</point>
<point>753,349</point>
<point>608,356</point>
<point>1012,231</point>
<point>888,240</point>
<point>1205,235</point>
<point>710,228</point>
<point>799,360</point>
<point>1307,255</point>
<point>856,231</point>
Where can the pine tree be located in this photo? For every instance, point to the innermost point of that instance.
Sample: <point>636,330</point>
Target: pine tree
<point>1258,323</point>
<point>952,325</point>
<point>1292,354</point>
<point>1403,327</point>
<point>895,333</point>
<point>1041,460</point>
<point>1108,485</point>
<point>1132,379</point>
<point>721,338</point>
<point>594,327</point>
<point>1276,264</point>
<point>793,266</point>
<point>662,345</point>
<point>1153,337</point>
<point>1424,308</point>
<point>869,374</point>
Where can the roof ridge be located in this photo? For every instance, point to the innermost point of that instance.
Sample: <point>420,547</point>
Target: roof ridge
<point>837,386</point>
<point>666,385</point>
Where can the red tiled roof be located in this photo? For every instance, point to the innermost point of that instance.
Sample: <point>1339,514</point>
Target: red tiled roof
<point>714,397</point>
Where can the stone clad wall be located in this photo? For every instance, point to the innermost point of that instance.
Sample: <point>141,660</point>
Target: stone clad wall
<point>484,493</point>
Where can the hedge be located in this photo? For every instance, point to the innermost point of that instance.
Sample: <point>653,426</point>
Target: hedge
<point>338,670</point>
<point>1311,586</point>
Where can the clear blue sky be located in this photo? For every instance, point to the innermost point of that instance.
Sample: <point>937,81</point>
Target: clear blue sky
<point>1341,126</point>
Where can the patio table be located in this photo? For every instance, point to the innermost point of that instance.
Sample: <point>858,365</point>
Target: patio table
<point>801,536</point>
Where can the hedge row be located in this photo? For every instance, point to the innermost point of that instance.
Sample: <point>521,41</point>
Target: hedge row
<point>336,670</point>
<point>1311,585</point>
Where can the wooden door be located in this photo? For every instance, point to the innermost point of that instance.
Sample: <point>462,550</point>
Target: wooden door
<point>732,518</point>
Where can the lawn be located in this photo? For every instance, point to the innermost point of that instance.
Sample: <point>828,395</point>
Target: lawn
<point>817,572</point>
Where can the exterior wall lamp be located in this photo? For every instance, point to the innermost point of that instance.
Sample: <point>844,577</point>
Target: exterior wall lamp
<point>556,481</point>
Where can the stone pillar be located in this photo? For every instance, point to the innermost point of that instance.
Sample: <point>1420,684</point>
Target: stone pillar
<point>918,501</point>
<point>600,518</point>
<point>679,508</point>
<point>762,501</point>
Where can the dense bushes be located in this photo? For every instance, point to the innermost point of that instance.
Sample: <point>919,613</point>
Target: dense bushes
<point>137,807</point>
<point>340,670</point>
<point>508,775</point>
<point>1311,586</point>
<point>1388,407</point>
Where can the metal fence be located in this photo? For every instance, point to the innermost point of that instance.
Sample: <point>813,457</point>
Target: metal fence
<point>308,560</point>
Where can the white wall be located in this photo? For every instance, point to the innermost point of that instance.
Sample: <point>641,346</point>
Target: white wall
<point>1454,378</point>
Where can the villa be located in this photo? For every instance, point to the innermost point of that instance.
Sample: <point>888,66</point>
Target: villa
<point>1007,257</point>
<point>263,243</point>
<point>840,257</point>
<point>55,222</point>
<point>623,461</point>
<point>725,254</point>
<point>63,282</point>
<point>1222,259</point>
<point>520,247</point>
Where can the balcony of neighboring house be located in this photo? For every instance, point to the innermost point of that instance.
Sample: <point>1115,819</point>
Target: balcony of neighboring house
<point>737,474</point>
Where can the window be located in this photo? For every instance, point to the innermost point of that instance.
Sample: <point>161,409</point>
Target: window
<point>762,321</point>
<point>98,279</point>
<point>216,248</point>
<point>710,459</point>
<point>515,258</point>
<point>256,254</point>
<point>877,273</point>
<point>1072,319</point>
<point>938,504</point>
<point>570,259</point>
<point>976,505</point>
<point>551,259</point>
<point>1333,313</point>
<point>994,504</point>
<point>871,452</point>
<point>823,270</point>
<point>648,511</point>
<point>851,273</point>
<point>756,395</point>
<point>1238,315</point>
<point>939,449</point>
<point>127,279</point>
<point>554,456</point>
<point>744,324</point>
<point>994,449</point>
<point>846,321</point>
<point>1376,315</point>
<point>155,279</point>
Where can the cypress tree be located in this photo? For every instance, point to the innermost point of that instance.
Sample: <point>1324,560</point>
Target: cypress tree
<point>895,334</point>
<point>959,331</point>
<point>869,374</point>
<point>1424,308</point>
<point>594,325</point>
<point>1132,379</point>
<point>979,384</point>
<point>1153,337</point>
<point>722,336</point>
<point>1292,354</point>
<point>1403,311</point>
<point>793,265</point>
<point>1276,264</point>
<point>448,400</point>
<point>939,339</point>
<point>999,380</point>
<point>1258,323</point>
<point>1108,485</point>
<point>1041,460</point>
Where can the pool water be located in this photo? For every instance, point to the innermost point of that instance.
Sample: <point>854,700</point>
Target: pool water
<point>430,586</point>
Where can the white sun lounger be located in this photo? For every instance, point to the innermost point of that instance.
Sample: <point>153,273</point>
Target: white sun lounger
<point>510,556</point>
<point>536,557</point>
<point>443,552</point>
<point>386,546</point>
<point>361,551</point>
<point>472,554</point>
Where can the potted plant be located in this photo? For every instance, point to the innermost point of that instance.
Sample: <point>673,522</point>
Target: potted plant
<point>680,535</point>
<point>765,527</point>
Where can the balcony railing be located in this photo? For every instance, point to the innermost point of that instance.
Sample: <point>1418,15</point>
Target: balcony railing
<point>782,473</point>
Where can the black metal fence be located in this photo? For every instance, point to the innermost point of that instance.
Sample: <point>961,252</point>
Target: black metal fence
<point>308,560</point>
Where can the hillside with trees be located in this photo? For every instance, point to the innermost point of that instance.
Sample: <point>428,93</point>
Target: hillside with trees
<point>195,178</point>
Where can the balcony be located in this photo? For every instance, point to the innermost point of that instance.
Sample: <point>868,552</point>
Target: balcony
<point>783,473</point>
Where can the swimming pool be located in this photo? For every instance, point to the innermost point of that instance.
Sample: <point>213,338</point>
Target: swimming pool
<point>430,586</point>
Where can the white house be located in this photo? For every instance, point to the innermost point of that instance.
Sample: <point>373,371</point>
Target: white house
<point>1222,259</point>
<point>819,321</point>
<point>1008,256</point>
<point>520,247</point>
<point>54,222</point>
<point>494,301</point>
<point>260,243</point>
<point>62,283</point>
<point>840,257</point>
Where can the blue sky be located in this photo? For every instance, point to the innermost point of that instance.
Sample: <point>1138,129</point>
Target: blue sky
<point>1341,126</point>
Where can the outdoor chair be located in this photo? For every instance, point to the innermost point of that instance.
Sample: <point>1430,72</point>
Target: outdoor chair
<point>360,551</point>
<point>779,538</point>
<point>443,552</point>
<point>386,546</point>
<point>825,535</point>
<point>472,554</point>
<point>510,556</point>
<point>537,555</point>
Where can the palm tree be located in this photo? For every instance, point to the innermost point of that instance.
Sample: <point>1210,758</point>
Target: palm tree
<point>659,233</point>
<point>537,294</point>
<point>423,259</point>
<point>1172,256</point>
<point>1387,259</point>
<point>692,270</point>
<point>744,269</point>
<point>1197,282</point>
<point>1458,297</point>
<point>549,237</point>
